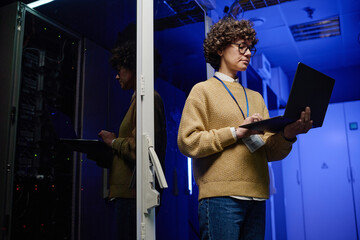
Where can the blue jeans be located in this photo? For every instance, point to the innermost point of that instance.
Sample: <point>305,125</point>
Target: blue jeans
<point>226,218</point>
<point>126,218</point>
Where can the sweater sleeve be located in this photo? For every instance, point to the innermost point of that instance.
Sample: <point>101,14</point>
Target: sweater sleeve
<point>126,148</point>
<point>276,146</point>
<point>194,138</point>
<point>125,144</point>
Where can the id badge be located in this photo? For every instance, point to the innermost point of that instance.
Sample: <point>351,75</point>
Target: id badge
<point>254,142</point>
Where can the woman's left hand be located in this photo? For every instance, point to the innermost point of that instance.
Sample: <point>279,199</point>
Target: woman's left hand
<point>302,125</point>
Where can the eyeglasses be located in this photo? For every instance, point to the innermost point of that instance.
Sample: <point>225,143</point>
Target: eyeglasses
<point>243,48</point>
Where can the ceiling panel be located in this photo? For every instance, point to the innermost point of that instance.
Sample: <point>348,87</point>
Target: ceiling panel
<point>352,58</point>
<point>282,56</point>
<point>295,14</point>
<point>274,37</point>
<point>317,47</point>
<point>349,6</point>
<point>277,53</point>
<point>331,60</point>
<point>271,16</point>
<point>350,30</point>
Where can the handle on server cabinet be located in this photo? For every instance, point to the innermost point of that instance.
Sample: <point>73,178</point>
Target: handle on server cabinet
<point>350,175</point>
<point>348,171</point>
<point>298,177</point>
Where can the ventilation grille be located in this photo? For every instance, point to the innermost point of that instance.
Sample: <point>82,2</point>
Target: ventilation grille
<point>318,29</point>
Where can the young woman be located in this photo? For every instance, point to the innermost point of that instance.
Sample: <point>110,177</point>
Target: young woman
<point>231,163</point>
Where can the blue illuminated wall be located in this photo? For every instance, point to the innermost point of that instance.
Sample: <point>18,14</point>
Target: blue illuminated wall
<point>175,215</point>
<point>182,66</point>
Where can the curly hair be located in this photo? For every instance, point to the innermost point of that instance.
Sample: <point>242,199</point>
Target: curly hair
<point>223,33</point>
<point>124,56</point>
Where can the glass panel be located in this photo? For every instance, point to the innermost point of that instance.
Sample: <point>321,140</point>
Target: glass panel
<point>59,194</point>
<point>179,64</point>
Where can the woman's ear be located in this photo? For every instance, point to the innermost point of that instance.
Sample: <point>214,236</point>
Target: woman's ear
<point>220,53</point>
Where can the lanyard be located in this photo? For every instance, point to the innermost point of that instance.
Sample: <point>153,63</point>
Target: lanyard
<point>247,103</point>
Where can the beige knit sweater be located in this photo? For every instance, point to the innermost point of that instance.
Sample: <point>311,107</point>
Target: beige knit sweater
<point>223,166</point>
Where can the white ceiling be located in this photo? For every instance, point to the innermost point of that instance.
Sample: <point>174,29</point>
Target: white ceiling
<point>279,47</point>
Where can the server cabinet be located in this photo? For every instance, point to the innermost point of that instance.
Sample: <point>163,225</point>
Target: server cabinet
<point>9,73</point>
<point>39,97</point>
<point>328,203</point>
<point>320,184</point>
<point>293,195</point>
<point>352,121</point>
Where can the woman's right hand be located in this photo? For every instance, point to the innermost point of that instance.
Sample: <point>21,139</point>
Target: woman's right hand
<point>107,137</point>
<point>244,132</point>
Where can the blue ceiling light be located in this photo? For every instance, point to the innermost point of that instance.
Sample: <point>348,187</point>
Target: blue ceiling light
<point>38,3</point>
<point>257,21</point>
<point>318,29</point>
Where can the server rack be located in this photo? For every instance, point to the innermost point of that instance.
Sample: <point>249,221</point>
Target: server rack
<point>40,98</point>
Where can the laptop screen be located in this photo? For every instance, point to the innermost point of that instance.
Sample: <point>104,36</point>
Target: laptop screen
<point>310,88</point>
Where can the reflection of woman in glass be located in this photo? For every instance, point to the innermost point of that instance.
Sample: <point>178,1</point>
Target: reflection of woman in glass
<point>124,61</point>
<point>229,162</point>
